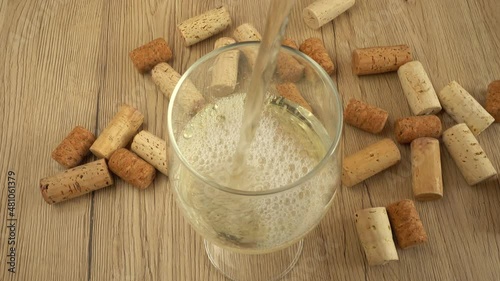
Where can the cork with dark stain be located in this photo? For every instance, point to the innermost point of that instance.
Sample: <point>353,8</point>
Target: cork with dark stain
<point>131,168</point>
<point>493,100</point>
<point>75,182</point>
<point>147,56</point>
<point>410,128</point>
<point>406,224</point>
<point>71,151</point>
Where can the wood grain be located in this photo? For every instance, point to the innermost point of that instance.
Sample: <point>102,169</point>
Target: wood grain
<point>65,63</point>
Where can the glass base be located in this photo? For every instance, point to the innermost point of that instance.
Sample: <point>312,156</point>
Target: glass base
<point>262,267</point>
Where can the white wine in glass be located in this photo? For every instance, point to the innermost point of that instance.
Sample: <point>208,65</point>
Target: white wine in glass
<point>253,222</point>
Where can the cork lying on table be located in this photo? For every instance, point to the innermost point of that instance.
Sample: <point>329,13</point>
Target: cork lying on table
<point>119,132</point>
<point>369,161</point>
<point>374,232</point>
<point>76,182</point>
<point>418,89</point>
<point>292,93</point>
<point>463,108</point>
<point>493,100</point>
<point>201,27</point>
<point>147,56</point>
<point>376,60</point>
<point>366,117</point>
<point>223,41</point>
<point>410,128</point>
<point>322,12</point>
<point>71,151</point>
<point>152,149</point>
<point>166,78</point>
<point>314,48</point>
<point>406,224</point>
<point>289,42</point>
<point>427,179</point>
<point>468,154</point>
<point>244,33</point>
<point>131,168</point>
<point>225,69</point>
<point>288,68</point>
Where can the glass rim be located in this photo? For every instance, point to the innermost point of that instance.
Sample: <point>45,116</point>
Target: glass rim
<point>333,147</point>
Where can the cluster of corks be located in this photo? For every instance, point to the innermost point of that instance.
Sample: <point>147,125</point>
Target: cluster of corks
<point>288,69</point>
<point>136,165</point>
<point>422,130</point>
<point>377,226</point>
<point>147,152</point>
<point>154,56</point>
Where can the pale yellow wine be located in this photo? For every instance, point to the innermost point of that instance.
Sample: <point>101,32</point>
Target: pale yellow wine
<point>288,144</point>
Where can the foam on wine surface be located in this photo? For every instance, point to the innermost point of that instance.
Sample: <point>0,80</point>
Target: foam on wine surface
<point>285,149</point>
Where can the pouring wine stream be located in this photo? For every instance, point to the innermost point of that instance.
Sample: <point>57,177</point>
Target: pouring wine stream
<point>263,71</point>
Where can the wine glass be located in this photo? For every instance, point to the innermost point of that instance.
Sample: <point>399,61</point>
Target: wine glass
<point>253,225</point>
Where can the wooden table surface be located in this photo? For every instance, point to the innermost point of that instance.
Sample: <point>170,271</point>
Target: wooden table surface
<point>65,63</point>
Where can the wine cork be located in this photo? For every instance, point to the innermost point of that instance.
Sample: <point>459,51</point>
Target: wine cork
<point>406,224</point>
<point>166,78</point>
<point>289,42</point>
<point>366,117</point>
<point>418,89</point>
<point>493,100</point>
<point>76,182</point>
<point>427,180</point>
<point>376,60</point>
<point>410,128</point>
<point>71,151</point>
<point>322,12</point>
<point>463,108</point>
<point>225,69</point>
<point>118,133</point>
<point>131,168</point>
<point>291,92</point>
<point>223,42</point>
<point>468,154</point>
<point>150,54</point>
<point>288,68</point>
<point>244,33</point>
<point>314,48</point>
<point>203,26</point>
<point>375,235</point>
<point>152,149</point>
<point>369,161</point>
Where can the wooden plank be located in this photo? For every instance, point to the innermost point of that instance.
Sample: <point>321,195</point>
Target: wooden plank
<point>49,84</point>
<point>3,12</point>
<point>128,230</point>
